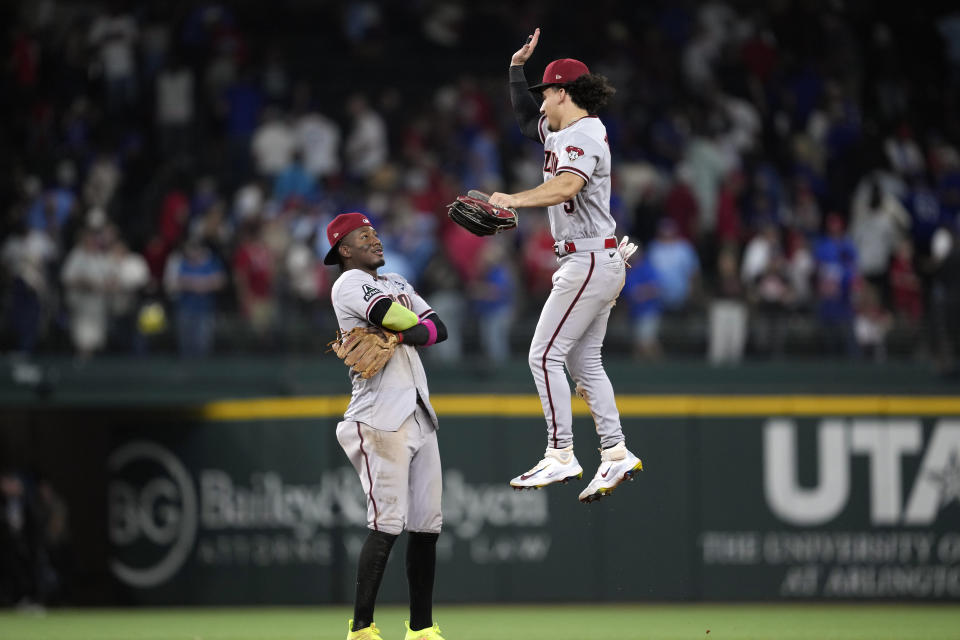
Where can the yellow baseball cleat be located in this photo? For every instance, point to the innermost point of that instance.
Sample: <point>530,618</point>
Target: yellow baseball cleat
<point>367,633</point>
<point>430,633</point>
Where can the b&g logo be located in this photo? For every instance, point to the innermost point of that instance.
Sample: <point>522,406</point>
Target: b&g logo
<point>152,511</point>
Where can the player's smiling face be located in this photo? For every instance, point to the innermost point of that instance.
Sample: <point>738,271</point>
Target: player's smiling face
<point>551,106</point>
<point>365,249</point>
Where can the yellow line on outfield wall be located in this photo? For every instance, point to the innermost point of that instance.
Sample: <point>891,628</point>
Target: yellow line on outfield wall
<point>631,406</point>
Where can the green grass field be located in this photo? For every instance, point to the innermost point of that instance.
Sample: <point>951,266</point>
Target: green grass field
<point>560,622</point>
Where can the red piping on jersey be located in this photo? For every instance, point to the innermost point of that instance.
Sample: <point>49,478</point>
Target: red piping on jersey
<point>369,480</point>
<point>574,171</point>
<point>425,314</point>
<point>546,377</point>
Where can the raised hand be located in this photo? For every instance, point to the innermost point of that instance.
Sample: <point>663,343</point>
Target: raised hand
<point>521,56</point>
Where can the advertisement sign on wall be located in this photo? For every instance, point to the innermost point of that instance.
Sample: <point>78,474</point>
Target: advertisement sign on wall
<point>729,507</point>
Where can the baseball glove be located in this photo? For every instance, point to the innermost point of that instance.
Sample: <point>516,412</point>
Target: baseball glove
<point>366,350</point>
<point>474,213</point>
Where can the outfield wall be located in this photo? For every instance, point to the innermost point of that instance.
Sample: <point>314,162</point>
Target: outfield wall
<point>769,496</point>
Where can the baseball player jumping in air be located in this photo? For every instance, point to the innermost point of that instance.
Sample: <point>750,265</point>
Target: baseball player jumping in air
<point>572,325</point>
<point>389,431</point>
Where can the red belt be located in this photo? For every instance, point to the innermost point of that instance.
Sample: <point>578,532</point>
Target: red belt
<point>571,247</point>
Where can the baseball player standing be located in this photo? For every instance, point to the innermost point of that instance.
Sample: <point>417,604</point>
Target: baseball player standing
<point>573,322</point>
<point>389,431</point>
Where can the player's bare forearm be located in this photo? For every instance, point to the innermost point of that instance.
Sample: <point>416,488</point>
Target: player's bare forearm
<point>558,189</point>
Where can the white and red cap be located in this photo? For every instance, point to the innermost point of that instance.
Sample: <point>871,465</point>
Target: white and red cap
<point>338,229</point>
<point>562,71</point>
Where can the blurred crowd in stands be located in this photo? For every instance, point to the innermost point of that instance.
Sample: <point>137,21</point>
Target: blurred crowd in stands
<point>790,168</point>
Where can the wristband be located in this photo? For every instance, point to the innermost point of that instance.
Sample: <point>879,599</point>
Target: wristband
<point>431,330</point>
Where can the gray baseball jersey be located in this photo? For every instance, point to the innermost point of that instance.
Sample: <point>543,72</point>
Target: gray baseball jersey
<point>580,148</point>
<point>387,399</point>
<point>390,438</point>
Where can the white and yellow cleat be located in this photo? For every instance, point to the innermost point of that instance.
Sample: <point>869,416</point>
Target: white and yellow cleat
<point>616,465</point>
<point>558,465</point>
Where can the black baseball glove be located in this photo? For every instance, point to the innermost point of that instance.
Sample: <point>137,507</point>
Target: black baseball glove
<point>474,213</point>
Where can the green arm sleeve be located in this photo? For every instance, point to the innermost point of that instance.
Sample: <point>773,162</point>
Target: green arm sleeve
<point>398,318</point>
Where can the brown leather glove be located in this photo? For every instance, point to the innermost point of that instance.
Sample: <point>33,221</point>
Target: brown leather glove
<point>366,350</point>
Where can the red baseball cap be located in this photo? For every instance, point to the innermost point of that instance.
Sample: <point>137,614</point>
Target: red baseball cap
<point>561,71</point>
<point>339,227</point>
